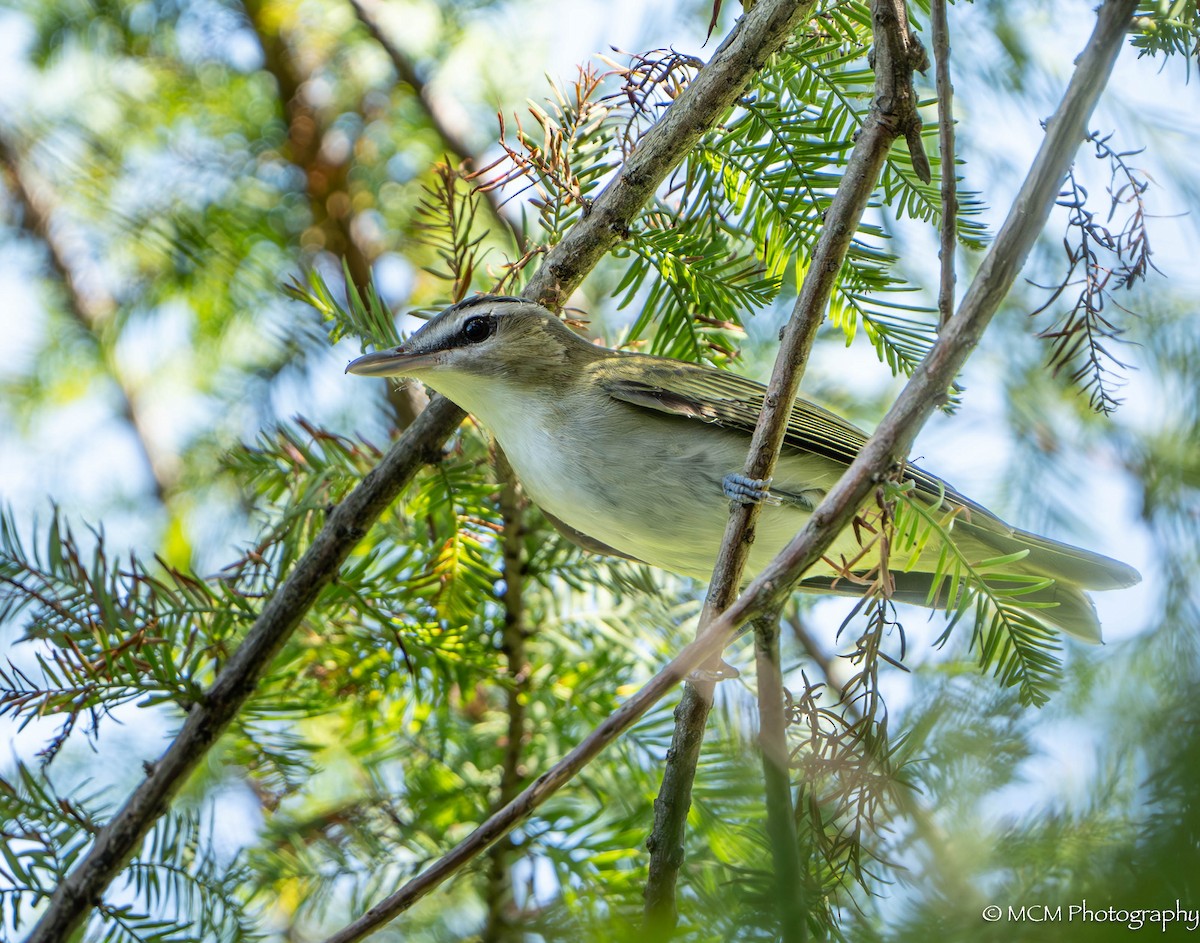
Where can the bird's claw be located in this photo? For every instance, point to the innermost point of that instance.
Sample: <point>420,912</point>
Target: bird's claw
<point>744,490</point>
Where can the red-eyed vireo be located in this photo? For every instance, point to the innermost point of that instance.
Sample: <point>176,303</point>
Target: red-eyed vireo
<point>638,456</point>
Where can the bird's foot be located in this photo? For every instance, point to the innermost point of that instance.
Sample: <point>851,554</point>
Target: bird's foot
<point>739,488</point>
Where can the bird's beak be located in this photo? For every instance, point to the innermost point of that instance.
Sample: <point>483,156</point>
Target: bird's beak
<point>396,362</point>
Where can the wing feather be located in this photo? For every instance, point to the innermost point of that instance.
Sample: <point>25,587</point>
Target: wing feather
<point>734,402</point>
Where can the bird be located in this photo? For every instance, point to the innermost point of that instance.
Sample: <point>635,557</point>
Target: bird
<point>638,456</point>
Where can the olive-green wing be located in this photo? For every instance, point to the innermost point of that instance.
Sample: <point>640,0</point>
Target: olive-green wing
<point>733,402</point>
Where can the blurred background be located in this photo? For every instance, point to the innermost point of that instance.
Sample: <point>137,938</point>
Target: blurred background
<point>166,167</point>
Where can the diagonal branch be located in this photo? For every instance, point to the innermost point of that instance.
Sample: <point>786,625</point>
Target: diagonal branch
<point>757,35</point>
<point>893,112</point>
<point>515,631</point>
<point>368,12</point>
<point>917,401</point>
<point>790,892</point>
<point>927,387</point>
<point>347,524</point>
<point>90,310</point>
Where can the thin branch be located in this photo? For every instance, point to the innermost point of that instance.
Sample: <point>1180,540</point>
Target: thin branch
<point>90,309</point>
<point>498,895</point>
<point>927,387</point>
<point>781,824</point>
<point>914,406</point>
<point>892,112</point>
<point>949,182</point>
<point>757,35</point>
<point>755,38</point>
<point>368,14</point>
<point>943,856</point>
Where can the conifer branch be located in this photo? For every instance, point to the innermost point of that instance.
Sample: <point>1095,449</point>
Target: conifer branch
<point>347,524</point>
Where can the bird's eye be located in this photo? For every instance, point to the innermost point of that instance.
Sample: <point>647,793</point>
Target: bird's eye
<point>478,329</point>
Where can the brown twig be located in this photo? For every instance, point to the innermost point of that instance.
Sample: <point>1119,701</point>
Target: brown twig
<point>368,14</point>
<point>773,744</point>
<point>892,112</point>
<point>498,894</point>
<point>949,182</point>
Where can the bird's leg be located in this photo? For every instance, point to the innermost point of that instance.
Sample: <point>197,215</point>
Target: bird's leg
<point>738,487</point>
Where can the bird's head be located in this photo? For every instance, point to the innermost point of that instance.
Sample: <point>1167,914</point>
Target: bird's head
<point>488,337</point>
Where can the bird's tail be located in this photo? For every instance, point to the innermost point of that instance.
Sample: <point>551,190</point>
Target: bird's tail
<point>1046,557</point>
<point>978,535</point>
<point>1059,605</point>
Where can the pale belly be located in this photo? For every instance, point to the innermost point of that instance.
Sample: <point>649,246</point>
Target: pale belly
<point>650,488</point>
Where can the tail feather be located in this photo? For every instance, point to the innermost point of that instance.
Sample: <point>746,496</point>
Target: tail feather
<point>1045,557</point>
<point>1070,609</point>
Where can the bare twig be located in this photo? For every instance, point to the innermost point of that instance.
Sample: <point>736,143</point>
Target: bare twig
<point>498,895</point>
<point>892,112</point>
<point>92,311</point>
<point>742,53</point>
<point>949,182</point>
<point>368,13</point>
<point>781,824</point>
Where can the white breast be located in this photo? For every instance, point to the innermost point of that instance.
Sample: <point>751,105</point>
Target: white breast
<point>646,485</point>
